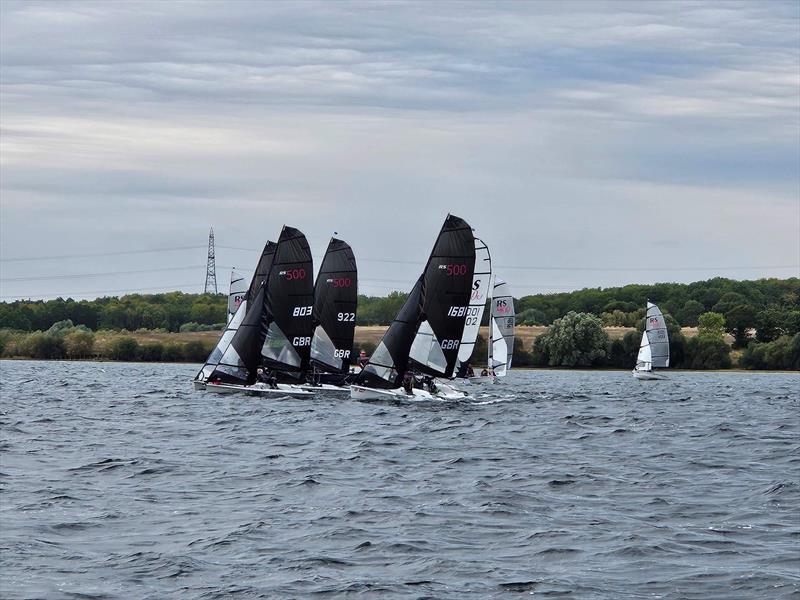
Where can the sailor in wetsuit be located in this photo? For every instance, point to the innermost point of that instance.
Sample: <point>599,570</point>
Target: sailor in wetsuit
<point>428,384</point>
<point>408,383</point>
<point>265,376</point>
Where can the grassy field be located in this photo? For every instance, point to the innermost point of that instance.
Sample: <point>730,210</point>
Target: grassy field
<point>370,334</point>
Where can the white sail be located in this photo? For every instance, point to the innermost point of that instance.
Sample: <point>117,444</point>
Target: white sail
<point>656,330</point>
<point>236,293</point>
<point>504,319</point>
<point>481,279</point>
<point>223,344</point>
<point>499,351</point>
<point>644,361</point>
<point>426,350</point>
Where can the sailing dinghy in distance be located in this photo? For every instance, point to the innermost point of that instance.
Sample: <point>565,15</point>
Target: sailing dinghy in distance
<point>654,348</point>
<point>259,277</point>
<point>276,330</point>
<point>501,323</point>
<point>334,318</point>
<point>236,293</point>
<point>426,334</point>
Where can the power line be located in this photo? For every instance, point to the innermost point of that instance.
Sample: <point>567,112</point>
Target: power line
<point>170,288</point>
<point>107,273</point>
<point>92,255</point>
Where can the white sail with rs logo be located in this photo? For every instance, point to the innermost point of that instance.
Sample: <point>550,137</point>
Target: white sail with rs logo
<point>654,347</point>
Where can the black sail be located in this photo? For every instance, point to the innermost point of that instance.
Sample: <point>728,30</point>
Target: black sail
<point>289,301</point>
<point>259,277</point>
<point>241,358</point>
<point>426,334</point>
<point>334,314</point>
<point>262,270</point>
<point>447,285</point>
<point>388,363</point>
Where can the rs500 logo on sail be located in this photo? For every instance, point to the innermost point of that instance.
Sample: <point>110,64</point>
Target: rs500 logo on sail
<point>292,274</point>
<point>454,269</point>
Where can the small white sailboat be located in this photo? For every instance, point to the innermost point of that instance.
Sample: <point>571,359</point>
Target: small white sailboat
<point>654,347</point>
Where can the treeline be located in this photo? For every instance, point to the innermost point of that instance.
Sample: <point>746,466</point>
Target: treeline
<point>167,311</point>
<point>769,306</point>
<point>580,340</point>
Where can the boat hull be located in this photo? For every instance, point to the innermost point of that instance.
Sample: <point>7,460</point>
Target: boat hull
<point>481,380</point>
<point>260,389</point>
<point>326,388</point>
<point>199,384</point>
<point>649,376</point>
<point>445,392</point>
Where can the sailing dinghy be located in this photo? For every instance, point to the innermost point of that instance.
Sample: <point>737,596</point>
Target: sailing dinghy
<point>425,336</point>
<point>259,277</point>
<point>654,348</point>
<point>334,319</point>
<point>276,330</point>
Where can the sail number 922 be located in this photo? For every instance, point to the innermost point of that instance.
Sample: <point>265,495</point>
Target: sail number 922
<point>347,317</point>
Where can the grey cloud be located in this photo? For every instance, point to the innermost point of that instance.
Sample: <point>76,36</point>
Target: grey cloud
<point>558,130</point>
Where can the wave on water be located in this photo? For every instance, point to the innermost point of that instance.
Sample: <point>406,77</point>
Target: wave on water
<point>121,481</point>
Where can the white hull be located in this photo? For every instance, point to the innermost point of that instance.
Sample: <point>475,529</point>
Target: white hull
<point>648,376</point>
<point>445,392</point>
<point>199,384</point>
<point>259,389</point>
<point>481,379</point>
<point>326,388</point>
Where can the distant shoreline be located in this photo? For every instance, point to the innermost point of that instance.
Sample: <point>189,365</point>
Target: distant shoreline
<point>566,369</point>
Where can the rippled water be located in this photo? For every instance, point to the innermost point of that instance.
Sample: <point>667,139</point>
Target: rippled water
<point>120,481</point>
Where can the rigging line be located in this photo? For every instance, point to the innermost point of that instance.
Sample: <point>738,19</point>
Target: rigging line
<point>79,275</point>
<point>170,288</point>
<point>90,255</point>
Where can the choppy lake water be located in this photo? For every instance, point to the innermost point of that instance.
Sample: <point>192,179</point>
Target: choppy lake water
<point>120,481</point>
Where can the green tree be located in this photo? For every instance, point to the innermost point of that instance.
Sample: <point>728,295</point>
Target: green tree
<point>151,352</point>
<point>575,340</point>
<point>79,343</point>
<point>711,325</point>
<point>739,320</point>
<point>690,313</point>
<point>124,348</point>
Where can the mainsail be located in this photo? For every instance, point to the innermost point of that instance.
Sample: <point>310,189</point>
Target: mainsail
<point>236,293</point>
<point>289,302</point>
<point>481,280</point>
<point>501,326</point>
<point>654,348</point>
<point>259,277</point>
<point>427,332</point>
<point>334,314</point>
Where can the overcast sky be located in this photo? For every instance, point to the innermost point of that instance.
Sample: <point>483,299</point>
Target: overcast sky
<point>588,143</point>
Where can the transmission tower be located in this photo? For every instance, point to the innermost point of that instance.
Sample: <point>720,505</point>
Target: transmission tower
<point>211,266</point>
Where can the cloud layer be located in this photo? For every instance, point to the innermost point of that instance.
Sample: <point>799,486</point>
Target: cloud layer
<point>595,136</point>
